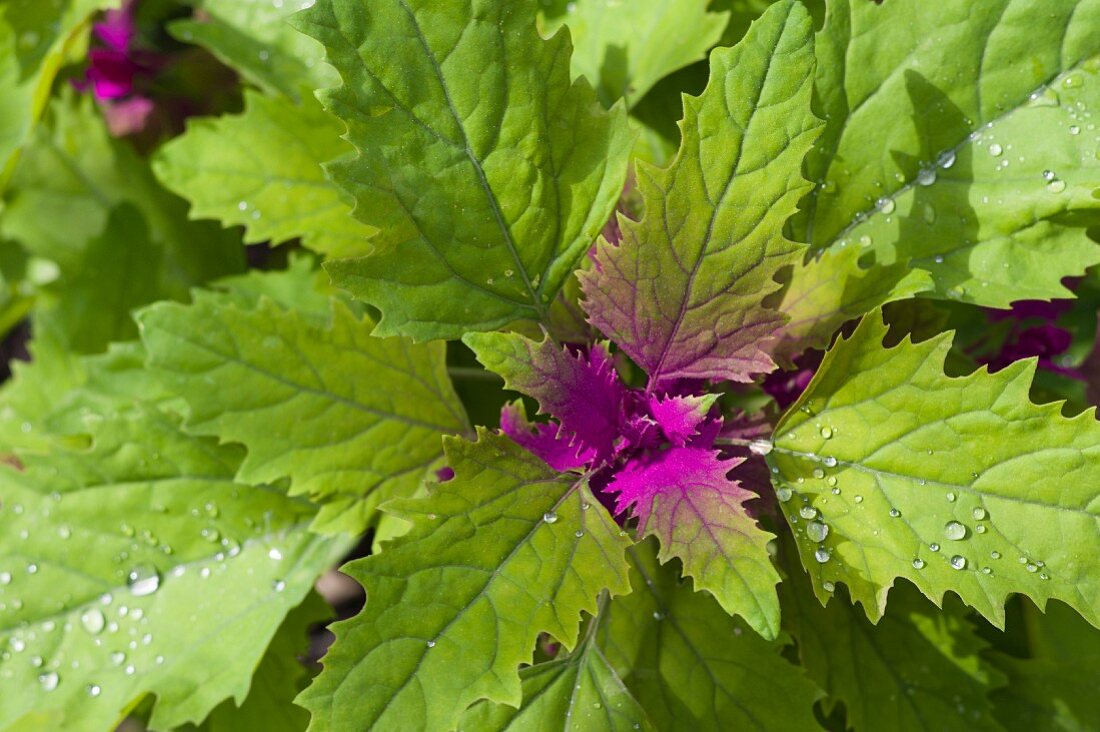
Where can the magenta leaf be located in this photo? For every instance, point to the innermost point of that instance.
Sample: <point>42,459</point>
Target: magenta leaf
<point>680,417</point>
<point>580,389</point>
<point>544,440</point>
<point>683,497</point>
<point>683,294</point>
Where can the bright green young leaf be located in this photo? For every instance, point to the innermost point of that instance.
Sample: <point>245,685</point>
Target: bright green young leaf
<point>139,567</point>
<point>576,692</point>
<point>623,49</point>
<point>73,174</point>
<point>682,294</point>
<point>301,286</point>
<point>487,187</point>
<point>919,669</point>
<point>693,667</point>
<point>1055,690</point>
<point>958,141</point>
<point>351,419</point>
<point>262,170</point>
<point>255,38</point>
<point>279,678</point>
<point>887,468</point>
<point>504,551</point>
<point>36,39</point>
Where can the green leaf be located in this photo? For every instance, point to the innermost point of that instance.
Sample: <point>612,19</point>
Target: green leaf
<point>1055,690</point>
<point>278,679</point>
<point>351,419</point>
<point>299,287</point>
<point>139,567</point>
<point>255,38</point>
<point>505,550</point>
<point>70,179</point>
<point>941,129</point>
<point>888,468</point>
<point>580,688</point>
<point>262,170</point>
<point>918,669</point>
<point>36,40</point>
<point>683,293</point>
<point>623,49</point>
<point>692,666</point>
<point>487,187</point>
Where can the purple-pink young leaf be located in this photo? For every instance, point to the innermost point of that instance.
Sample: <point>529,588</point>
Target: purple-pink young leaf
<point>580,389</point>
<point>683,497</point>
<point>544,440</point>
<point>679,417</point>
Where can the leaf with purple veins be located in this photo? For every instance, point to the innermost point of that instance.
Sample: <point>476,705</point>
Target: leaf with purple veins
<point>683,293</point>
<point>544,440</point>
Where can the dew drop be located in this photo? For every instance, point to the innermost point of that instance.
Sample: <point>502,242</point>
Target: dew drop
<point>783,494</point>
<point>819,473</point>
<point>93,621</point>
<point>827,432</point>
<point>431,644</point>
<point>817,531</point>
<point>894,513</point>
<point>5,578</point>
<point>143,581</point>
<point>760,447</point>
<point>934,546</point>
<point>958,562</point>
<point>885,205</point>
<point>828,586</point>
<point>275,555</point>
<point>578,533</point>
<point>829,460</point>
<point>858,499</point>
<point>980,528</point>
<point>1048,175</point>
<point>994,554</point>
<point>926,177</point>
<point>549,517</point>
<point>978,513</point>
<point>32,569</point>
<point>1056,186</point>
<point>94,690</point>
<point>1031,567</point>
<point>49,680</point>
<point>987,570</point>
<point>954,531</point>
<point>1044,576</point>
<point>129,670</point>
<point>946,159</point>
<point>118,657</point>
<point>807,512</point>
<point>821,555</point>
<point>995,150</point>
<point>918,563</point>
<point>242,206</point>
<point>950,497</point>
<point>1074,130</point>
<point>279,585</point>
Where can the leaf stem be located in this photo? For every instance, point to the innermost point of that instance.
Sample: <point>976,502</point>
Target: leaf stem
<point>472,373</point>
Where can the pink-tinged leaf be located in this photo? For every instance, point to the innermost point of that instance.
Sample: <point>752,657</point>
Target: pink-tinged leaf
<point>683,497</point>
<point>544,440</point>
<point>680,417</point>
<point>581,390</point>
<point>683,293</point>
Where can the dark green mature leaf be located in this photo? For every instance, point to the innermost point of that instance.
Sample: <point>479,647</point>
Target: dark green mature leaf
<point>262,170</point>
<point>255,38</point>
<point>683,293</point>
<point>351,419</point>
<point>505,550</point>
<point>139,567</point>
<point>487,187</point>
<point>36,39</point>
<point>888,468</point>
<point>958,141</point>
<point>693,667</point>
<point>918,670</point>
<point>576,692</point>
<point>1055,689</point>
<point>623,49</point>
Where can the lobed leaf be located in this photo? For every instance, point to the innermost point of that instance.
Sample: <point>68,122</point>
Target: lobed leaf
<point>505,550</point>
<point>139,567</point>
<point>692,666</point>
<point>487,188</point>
<point>957,143</point>
<point>887,468</point>
<point>624,49</point>
<point>920,668</point>
<point>262,170</point>
<point>351,419</point>
<point>683,293</point>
